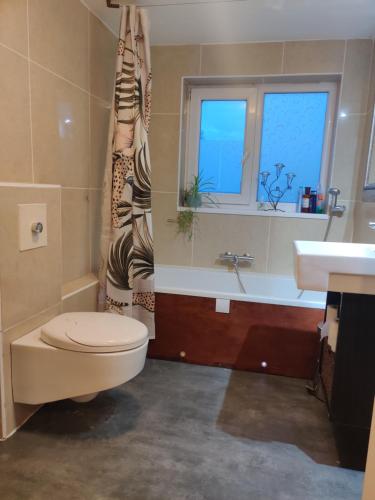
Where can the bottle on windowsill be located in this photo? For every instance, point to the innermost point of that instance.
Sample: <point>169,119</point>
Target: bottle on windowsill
<point>319,200</point>
<point>305,206</point>
<point>313,199</point>
<point>299,199</point>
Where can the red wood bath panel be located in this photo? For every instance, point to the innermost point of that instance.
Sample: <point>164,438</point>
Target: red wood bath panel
<point>282,338</point>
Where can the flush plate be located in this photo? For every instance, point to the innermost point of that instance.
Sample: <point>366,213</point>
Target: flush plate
<point>27,215</point>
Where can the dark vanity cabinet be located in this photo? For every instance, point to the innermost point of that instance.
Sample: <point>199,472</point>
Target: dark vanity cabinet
<point>348,376</point>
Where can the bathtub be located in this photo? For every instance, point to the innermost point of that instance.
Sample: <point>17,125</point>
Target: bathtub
<point>270,329</point>
<point>223,284</point>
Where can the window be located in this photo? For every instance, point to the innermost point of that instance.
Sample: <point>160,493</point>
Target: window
<point>221,144</point>
<point>235,134</point>
<point>220,133</point>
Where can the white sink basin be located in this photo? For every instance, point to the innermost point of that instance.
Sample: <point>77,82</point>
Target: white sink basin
<point>315,261</point>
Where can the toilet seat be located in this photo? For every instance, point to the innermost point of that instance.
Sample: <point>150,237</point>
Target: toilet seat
<point>94,332</point>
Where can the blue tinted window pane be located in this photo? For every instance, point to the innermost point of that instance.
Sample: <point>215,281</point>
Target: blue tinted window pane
<point>293,134</point>
<point>221,145</point>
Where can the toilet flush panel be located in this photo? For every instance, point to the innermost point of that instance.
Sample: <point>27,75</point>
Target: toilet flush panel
<point>32,225</point>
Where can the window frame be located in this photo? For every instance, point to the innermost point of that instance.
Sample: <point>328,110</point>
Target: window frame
<point>285,88</point>
<point>221,93</point>
<point>253,92</point>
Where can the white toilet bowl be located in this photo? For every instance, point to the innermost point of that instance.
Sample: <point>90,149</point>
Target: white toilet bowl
<point>77,354</point>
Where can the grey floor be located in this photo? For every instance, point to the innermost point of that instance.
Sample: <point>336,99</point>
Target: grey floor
<point>180,431</point>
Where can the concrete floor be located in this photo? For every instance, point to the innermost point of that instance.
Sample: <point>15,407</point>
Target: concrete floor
<point>177,432</point>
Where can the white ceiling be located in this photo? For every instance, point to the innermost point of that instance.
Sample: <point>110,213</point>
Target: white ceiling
<point>249,20</point>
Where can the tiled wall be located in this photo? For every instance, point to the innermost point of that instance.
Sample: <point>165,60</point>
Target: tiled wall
<point>269,239</point>
<point>56,82</point>
<point>365,211</point>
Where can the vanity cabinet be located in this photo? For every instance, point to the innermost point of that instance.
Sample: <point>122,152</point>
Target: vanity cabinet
<point>348,376</point>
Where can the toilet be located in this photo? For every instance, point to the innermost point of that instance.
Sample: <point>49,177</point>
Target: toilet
<point>77,355</point>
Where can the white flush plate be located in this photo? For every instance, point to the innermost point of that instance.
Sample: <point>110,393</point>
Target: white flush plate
<point>27,215</point>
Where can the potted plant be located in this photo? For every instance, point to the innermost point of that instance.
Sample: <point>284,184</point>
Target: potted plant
<point>193,198</point>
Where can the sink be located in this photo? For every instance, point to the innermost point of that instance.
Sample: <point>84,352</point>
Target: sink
<point>315,262</point>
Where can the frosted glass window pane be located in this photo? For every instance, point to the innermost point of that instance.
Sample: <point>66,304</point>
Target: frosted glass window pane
<point>293,133</point>
<point>221,145</point>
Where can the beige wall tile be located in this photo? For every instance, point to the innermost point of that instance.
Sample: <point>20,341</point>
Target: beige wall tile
<point>164,138</point>
<point>82,301</point>
<point>283,232</point>
<point>30,281</point>
<point>348,157</point>
<point>60,121</point>
<point>75,233</point>
<point>242,59</point>
<point>364,213</point>
<point>321,56</point>
<point>102,60</point>
<point>362,163</point>
<point>342,228</point>
<point>15,146</point>
<point>59,38</point>
<point>99,122</point>
<point>367,130</point>
<point>355,84</point>
<point>13,24</point>
<point>169,247</point>
<point>240,234</point>
<point>371,98</point>
<point>95,200</point>
<point>169,65</point>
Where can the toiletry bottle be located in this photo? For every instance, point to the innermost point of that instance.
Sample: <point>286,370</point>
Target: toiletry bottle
<point>299,199</point>
<point>305,208</point>
<point>313,199</point>
<point>319,200</point>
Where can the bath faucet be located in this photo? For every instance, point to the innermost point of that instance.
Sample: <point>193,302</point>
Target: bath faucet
<point>334,208</point>
<point>234,258</point>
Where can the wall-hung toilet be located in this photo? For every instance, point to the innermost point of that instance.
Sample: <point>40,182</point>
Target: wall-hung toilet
<point>77,354</point>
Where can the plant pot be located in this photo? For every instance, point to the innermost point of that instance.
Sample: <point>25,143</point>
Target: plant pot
<point>193,200</point>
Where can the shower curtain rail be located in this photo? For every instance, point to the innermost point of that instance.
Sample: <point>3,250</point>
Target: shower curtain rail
<point>201,2</point>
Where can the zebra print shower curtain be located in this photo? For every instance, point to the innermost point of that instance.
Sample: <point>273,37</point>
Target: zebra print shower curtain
<point>127,266</point>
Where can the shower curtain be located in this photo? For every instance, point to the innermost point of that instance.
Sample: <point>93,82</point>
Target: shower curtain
<point>127,262</point>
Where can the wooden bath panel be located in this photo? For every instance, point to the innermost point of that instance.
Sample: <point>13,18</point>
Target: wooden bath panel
<point>283,337</point>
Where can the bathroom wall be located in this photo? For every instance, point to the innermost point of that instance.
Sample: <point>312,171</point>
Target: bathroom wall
<point>365,211</point>
<point>56,82</point>
<point>269,239</point>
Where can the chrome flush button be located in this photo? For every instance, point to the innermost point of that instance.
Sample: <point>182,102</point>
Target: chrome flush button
<point>36,227</point>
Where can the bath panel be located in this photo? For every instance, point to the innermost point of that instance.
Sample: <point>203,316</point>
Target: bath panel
<point>254,336</point>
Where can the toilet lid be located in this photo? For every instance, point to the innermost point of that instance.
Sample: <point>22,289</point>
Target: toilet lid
<point>94,332</point>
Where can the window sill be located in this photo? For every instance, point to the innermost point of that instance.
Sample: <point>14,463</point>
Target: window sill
<point>261,213</point>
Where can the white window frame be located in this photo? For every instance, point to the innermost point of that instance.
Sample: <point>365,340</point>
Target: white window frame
<point>199,94</point>
<point>282,88</point>
<point>253,93</point>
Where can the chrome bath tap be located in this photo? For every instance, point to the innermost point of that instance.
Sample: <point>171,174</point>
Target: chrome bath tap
<point>235,260</point>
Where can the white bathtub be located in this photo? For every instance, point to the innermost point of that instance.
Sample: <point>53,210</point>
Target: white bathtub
<point>223,284</point>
